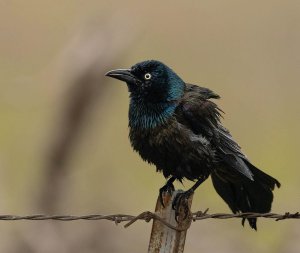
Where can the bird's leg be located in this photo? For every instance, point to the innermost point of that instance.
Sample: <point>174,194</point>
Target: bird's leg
<point>181,199</point>
<point>168,187</point>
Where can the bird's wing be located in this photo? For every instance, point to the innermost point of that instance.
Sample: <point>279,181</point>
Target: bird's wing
<point>203,117</point>
<point>201,114</point>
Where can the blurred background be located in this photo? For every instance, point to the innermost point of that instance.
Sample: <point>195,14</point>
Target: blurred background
<point>64,145</point>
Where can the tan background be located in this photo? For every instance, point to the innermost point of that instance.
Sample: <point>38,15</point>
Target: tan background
<point>246,51</point>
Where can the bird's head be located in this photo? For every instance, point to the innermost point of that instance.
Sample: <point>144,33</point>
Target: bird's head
<point>154,92</point>
<point>151,82</point>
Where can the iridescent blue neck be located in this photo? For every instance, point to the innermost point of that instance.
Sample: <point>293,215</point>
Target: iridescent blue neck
<point>145,115</point>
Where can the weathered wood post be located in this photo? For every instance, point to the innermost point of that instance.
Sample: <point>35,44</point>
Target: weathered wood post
<point>164,239</point>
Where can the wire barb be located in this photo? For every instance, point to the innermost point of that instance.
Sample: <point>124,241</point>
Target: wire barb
<point>148,216</point>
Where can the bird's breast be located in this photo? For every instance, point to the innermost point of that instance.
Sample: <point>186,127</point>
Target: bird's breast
<point>173,148</point>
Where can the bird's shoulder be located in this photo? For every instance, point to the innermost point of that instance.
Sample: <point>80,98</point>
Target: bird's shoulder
<point>197,110</point>
<point>192,90</point>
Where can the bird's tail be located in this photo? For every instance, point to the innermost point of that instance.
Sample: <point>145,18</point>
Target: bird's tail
<point>245,195</point>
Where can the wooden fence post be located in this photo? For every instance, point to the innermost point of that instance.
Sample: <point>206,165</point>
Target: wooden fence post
<point>164,239</point>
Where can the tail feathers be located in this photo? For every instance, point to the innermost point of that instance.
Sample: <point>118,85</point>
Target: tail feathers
<point>262,177</point>
<point>246,195</point>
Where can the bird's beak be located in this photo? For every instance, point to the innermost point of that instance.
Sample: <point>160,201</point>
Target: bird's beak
<point>122,74</point>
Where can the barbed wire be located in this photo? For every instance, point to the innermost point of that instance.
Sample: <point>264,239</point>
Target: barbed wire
<point>148,216</point>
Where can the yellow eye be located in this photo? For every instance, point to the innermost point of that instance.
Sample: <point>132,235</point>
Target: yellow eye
<point>147,76</point>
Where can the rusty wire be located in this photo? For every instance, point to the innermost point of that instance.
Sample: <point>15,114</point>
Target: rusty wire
<point>148,216</point>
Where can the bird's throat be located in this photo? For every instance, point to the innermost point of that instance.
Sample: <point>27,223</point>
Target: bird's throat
<point>147,115</point>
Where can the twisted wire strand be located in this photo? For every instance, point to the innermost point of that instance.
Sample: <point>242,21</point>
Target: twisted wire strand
<point>148,216</point>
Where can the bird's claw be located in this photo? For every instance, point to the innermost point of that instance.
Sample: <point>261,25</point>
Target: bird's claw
<point>167,188</point>
<point>180,205</point>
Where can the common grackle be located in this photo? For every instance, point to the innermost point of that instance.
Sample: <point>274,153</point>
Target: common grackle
<point>175,126</point>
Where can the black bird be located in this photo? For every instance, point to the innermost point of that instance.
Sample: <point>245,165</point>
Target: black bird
<point>175,126</point>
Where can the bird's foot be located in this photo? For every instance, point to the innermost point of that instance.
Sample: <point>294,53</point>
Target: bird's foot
<point>167,188</point>
<point>180,205</point>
